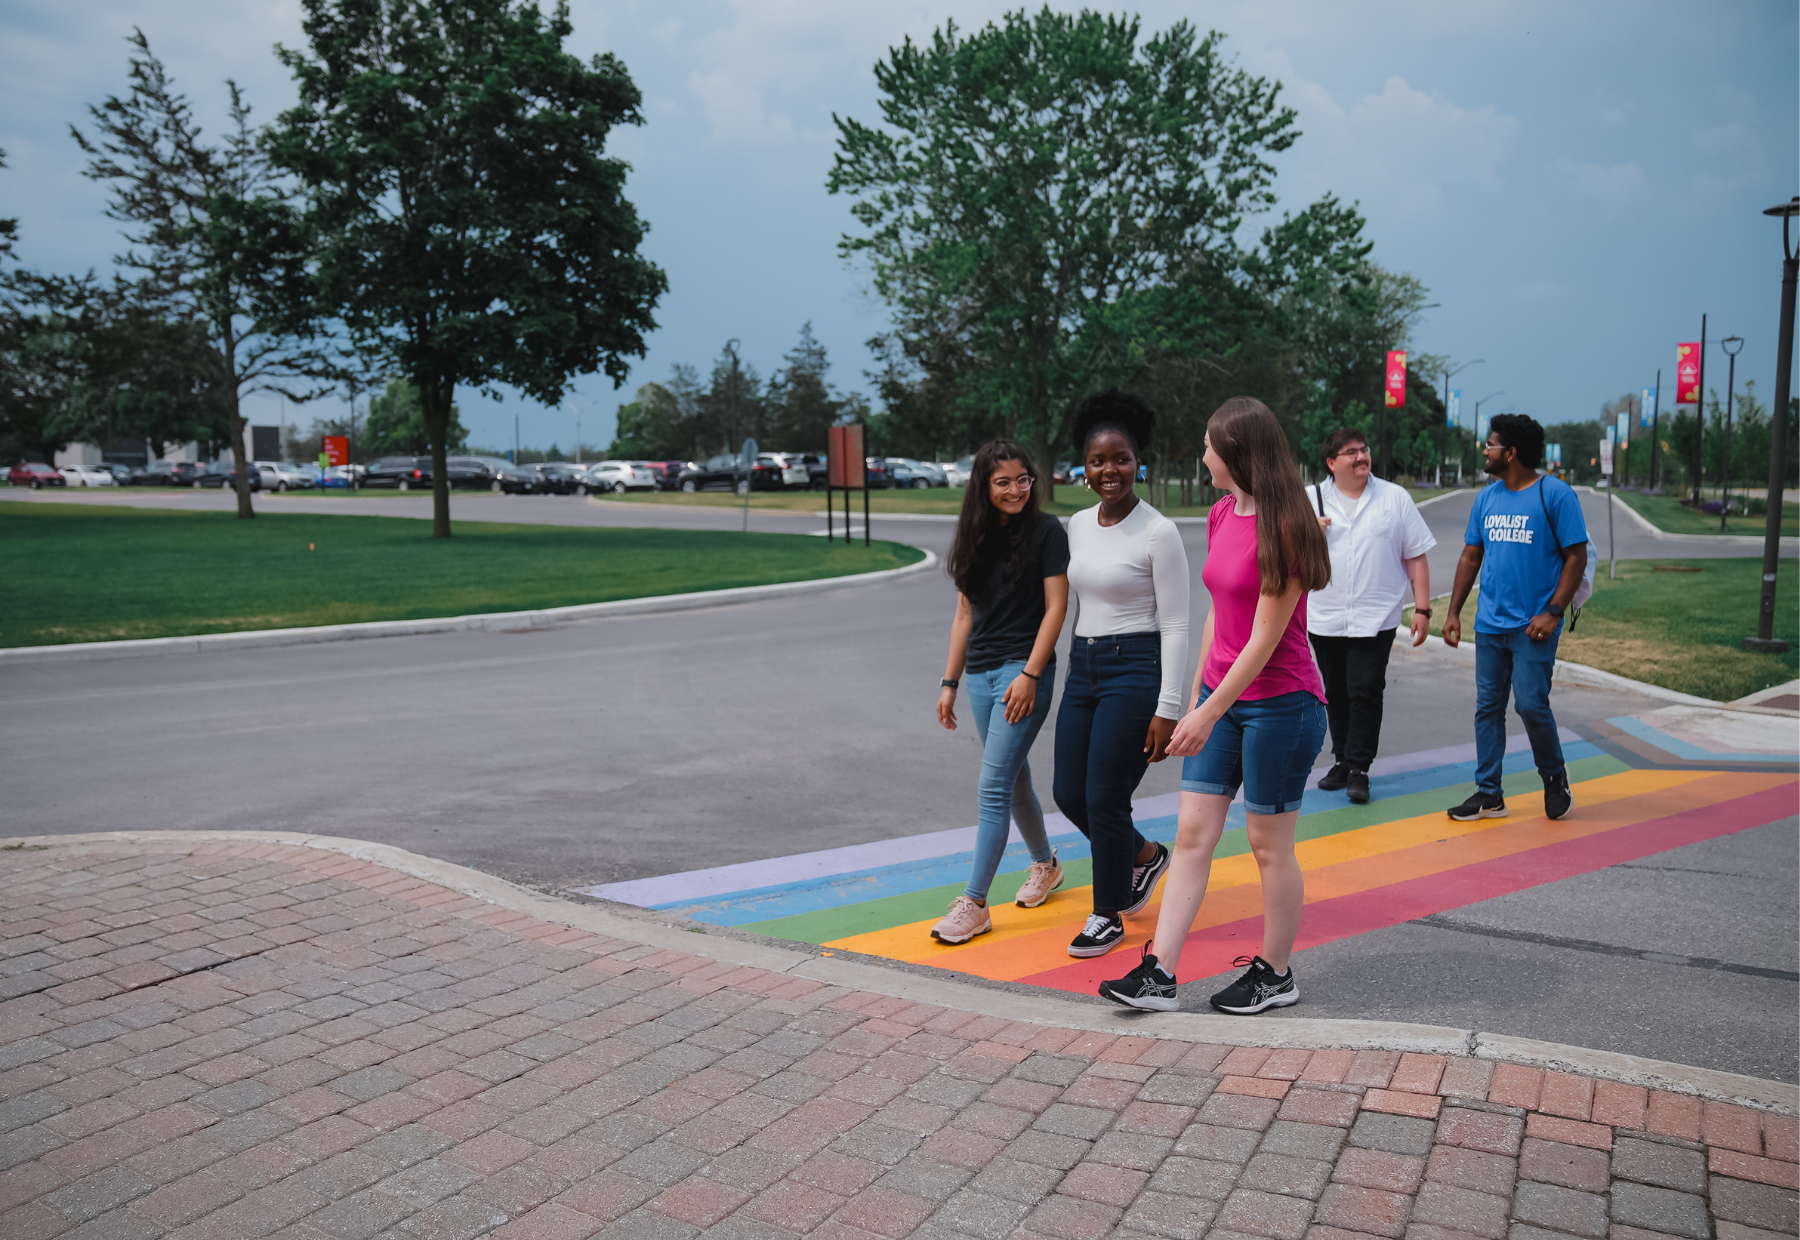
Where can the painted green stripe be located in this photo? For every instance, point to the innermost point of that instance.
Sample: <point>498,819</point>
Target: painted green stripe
<point>826,925</point>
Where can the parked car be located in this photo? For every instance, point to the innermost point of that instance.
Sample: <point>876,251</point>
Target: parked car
<point>818,471</point>
<point>919,474</point>
<point>88,476</point>
<point>725,472</point>
<point>121,473</point>
<point>618,477</point>
<point>956,473</point>
<point>221,475</point>
<point>35,474</point>
<point>667,474</point>
<point>167,473</point>
<point>510,479</point>
<point>284,476</point>
<point>792,466</point>
<point>403,473</point>
<point>558,478</point>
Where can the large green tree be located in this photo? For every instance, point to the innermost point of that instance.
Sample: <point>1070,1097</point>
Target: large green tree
<point>396,425</point>
<point>465,224</point>
<point>197,217</point>
<point>1032,174</point>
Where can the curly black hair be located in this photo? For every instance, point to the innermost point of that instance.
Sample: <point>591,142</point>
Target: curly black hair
<point>1522,434</point>
<point>1116,410</point>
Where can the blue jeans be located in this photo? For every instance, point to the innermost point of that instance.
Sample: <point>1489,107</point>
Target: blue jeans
<point>1005,792</point>
<point>1505,661</point>
<point>1265,744</point>
<point>1107,705</point>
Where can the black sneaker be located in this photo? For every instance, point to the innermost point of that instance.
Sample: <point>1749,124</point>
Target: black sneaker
<point>1258,989</point>
<point>1099,936</point>
<point>1481,805</point>
<point>1148,986</point>
<point>1558,799</point>
<point>1143,879</point>
<point>1359,787</point>
<point>1334,778</point>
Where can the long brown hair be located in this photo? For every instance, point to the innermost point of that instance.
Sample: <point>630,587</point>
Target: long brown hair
<point>981,541</point>
<point>1289,541</point>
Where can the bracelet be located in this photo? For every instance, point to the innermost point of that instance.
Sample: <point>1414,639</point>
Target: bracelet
<point>1422,611</point>
<point>1023,672</point>
<point>948,684</point>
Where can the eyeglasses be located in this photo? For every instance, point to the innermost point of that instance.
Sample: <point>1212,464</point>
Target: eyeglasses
<point>1012,484</point>
<point>1353,453</point>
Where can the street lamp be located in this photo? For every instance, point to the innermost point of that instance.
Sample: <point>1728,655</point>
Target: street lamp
<point>1479,437</point>
<point>1731,345</point>
<point>1381,453</point>
<point>1765,639</point>
<point>1442,430</point>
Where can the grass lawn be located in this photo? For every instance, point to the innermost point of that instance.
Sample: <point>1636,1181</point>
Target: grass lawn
<point>1679,624</point>
<point>77,573</point>
<point>1666,513</point>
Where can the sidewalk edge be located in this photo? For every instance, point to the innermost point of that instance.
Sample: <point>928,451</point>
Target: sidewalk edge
<point>256,639</point>
<point>1568,673</point>
<point>825,966</point>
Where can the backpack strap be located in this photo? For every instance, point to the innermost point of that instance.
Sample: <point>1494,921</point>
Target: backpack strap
<point>1320,496</point>
<point>1548,519</point>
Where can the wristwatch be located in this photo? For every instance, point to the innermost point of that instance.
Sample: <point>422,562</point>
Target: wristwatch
<point>1555,609</point>
<point>948,684</point>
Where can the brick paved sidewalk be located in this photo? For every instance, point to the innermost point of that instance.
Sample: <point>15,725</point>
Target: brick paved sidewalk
<point>233,1040</point>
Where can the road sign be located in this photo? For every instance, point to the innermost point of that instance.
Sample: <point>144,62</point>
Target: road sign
<point>335,449</point>
<point>747,456</point>
<point>844,457</point>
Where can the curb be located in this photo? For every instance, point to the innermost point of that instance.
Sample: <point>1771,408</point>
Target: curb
<point>256,639</point>
<point>1568,673</point>
<point>947,991</point>
<point>1787,542</point>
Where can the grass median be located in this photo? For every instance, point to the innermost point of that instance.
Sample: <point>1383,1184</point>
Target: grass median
<point>1679,624</point>
<point>1668,514</point>
<point>77,573</point>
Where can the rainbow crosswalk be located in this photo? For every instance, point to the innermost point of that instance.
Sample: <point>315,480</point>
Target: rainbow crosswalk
<point>1639,789</point>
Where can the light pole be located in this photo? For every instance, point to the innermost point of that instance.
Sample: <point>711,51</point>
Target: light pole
<point>1765,639</point>
<point>1732,345</point>
<point>1479,437</point>
<point>1699,416</point>
<point>1442,430</point>
<point>1381,452</point>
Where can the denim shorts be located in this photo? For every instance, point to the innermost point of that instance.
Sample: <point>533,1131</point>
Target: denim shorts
<point>1267,745</point>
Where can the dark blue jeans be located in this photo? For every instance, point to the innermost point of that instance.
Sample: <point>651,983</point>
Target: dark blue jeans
<point>1107,705</point>
<point>1512,661</point>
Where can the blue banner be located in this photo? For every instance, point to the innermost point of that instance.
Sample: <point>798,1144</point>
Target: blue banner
<point>1453,413</point>
<point>1646,406</point>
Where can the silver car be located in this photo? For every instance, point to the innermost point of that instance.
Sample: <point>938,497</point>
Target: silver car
<point>617,477</point>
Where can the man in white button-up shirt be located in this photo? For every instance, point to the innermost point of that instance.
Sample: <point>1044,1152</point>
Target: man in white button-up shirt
<point>1378,543</point>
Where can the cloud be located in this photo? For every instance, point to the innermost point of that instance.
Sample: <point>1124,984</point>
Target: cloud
<point>1617,186</point>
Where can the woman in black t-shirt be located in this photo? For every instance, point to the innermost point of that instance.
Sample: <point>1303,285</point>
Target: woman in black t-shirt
<point>1010,562</point>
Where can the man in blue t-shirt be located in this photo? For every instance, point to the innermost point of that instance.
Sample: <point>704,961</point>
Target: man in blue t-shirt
<point>1527,539</point>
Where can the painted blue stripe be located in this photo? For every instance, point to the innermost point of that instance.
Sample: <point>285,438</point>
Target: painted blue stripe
<point>836,891</point>
<point>1684,749</point>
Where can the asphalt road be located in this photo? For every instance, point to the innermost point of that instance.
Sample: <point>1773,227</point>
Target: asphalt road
<point>644,745</point>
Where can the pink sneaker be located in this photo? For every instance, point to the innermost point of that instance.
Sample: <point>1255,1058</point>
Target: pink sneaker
<point>964,921</point>
<point>1040,880</point>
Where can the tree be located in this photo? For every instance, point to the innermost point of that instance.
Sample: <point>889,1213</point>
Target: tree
<point>396,425</point>
<point>1042,169</point>
<point>198,219</point>
<point>802,407</point>
<point>732,408</point>
<point>465,225</point>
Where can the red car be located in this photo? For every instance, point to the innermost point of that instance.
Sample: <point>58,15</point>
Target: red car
<point>34,474</point>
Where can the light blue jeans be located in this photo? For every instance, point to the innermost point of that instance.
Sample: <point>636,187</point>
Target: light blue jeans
<point>1005,793</point>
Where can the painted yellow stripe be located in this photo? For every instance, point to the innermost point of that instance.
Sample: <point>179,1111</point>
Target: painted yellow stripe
<point>1023,939</point>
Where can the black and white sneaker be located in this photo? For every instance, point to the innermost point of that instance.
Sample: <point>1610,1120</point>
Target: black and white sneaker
<point>1148,986</point>
<point>1143,879</point>
<point>1335,778</point>
<point>1481,805</point>
<point>1258,989</point>
<point>1358,787</point>
<point>1558,799</point>
<point>1099,936</point>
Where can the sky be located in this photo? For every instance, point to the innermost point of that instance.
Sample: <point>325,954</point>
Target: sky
<point>1576,184</point>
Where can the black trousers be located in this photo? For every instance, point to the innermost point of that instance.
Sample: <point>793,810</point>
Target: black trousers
<point>1355,672</point>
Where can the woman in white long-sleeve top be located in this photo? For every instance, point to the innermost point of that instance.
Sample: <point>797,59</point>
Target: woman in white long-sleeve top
<point>1128,575</point>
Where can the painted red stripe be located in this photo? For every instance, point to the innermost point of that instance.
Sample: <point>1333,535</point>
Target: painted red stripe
<point>1210,950</point>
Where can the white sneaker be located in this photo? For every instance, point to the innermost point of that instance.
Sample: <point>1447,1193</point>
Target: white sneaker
<point>964,921</point>
<point>1040,880</point>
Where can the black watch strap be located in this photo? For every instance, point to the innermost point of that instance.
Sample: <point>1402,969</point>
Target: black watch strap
<point>1555,609</point>
<point>948,684</point>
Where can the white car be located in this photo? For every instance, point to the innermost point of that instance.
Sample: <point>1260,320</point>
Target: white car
<point>956,473</point>
<point>88,476</point>
<point>792,466</point>
<point>281,476</point>
<point>618,477</point>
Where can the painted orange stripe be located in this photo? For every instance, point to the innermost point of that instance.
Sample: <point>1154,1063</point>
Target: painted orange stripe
<point>1606,804</point>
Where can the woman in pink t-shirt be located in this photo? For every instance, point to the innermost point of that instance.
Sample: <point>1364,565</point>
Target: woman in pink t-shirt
<point>1259,712</point>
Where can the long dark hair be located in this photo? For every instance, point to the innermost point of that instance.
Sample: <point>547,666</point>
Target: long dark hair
<point>1289,542</point>
<point>981,541</point>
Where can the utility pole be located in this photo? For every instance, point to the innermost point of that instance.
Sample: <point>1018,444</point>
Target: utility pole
<point>1700,418</point>
<point>1441,430</point>
<point>1732,345</point>
<point>1765,639</point>
<point>1655,412</point>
